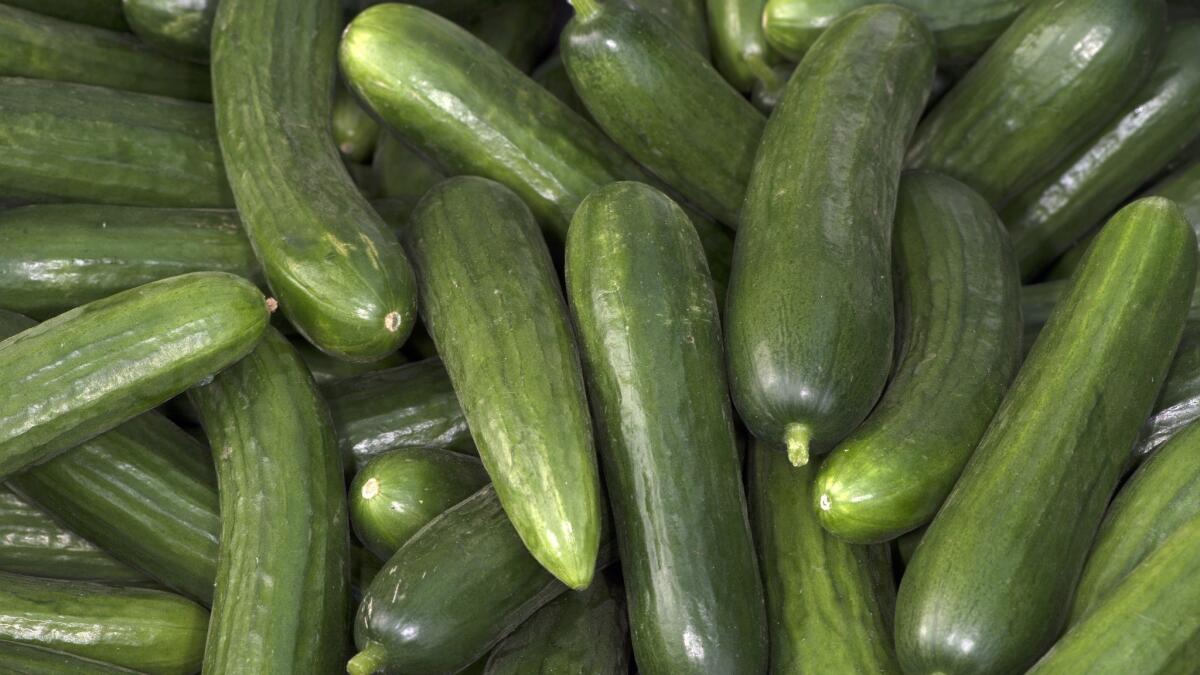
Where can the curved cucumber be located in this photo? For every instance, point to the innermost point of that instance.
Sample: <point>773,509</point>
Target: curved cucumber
<point>739,47</point>
<point>354,131</point>
<point>339,276</point>
<point>102,13</point>
<point>809,354</point>
<point>665,431</point>
<point>958,342</point>
<point>1059,441</point>
<point>686,17</point>
<point>1036,96</point>
<point>19,659</point>
<point>181,28</point>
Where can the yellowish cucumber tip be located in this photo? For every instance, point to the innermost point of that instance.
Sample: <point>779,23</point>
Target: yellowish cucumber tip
<point>796,437</point>
<point>392,321</point>
<point>370,488</point>
<point>272,305</point>
<point>369,660</point>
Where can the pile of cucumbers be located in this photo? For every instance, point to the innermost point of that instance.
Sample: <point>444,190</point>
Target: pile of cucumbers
<point>536,337</point>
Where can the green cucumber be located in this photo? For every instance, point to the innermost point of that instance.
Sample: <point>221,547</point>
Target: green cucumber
<point>1061,71</point>
<point>739,47</point>
<point>552,75</point>
<point>663,103</point>
<point>338,274</point>
<point>520,30</point>
<point>958,345</point>
<point>145,630</point>
<point>354,131</point>
<point>401,172</point>
<point>809,354</point>
<point>280,603</point>
<point>829,603</point>
<point>1019,521</point>
<point>581,632</point>
<point>397,493</point>
<point>19,659</point>
<point>1183,186</point>
<point>325,368</point>
<point>686,17</point>
<point>665,431</point>
<point>86,371</point>
<point>490,298</point>
<point>1073,198</point>
<point>102,13</point>
<point>66,142</point>
<point>42,47</point>
<point>181,28</point>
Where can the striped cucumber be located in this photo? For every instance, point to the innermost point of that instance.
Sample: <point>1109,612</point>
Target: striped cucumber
<point>181,28</point>
<point>739,47</point>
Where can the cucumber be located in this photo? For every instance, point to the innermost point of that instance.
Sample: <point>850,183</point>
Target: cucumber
<point>581,632</point>
<point>686,17</point>
<point>809,354</point>
<point>401,172</point>
<point>145,630</point>
<point>829,603</point>
<point>552,75</point>
<point>1019,521</point>
<point>1036,95</point>
<point>325,368</point>
<point>1073,198</point>
<point>354,131</point>
<point>19,659</point>
<point>67,142</point>
<point>491,300</point>
<point>337,273</point>
<point>180,28</point>
<point>958,344</point>
<point>284,531</point>
<point>663,103</point>
<point>411,406</point>
<point>42,47</point>
<point>397,493</point>
<point>695,599</point>
<point>520,30</point>
<point>1183,186</point>
<point>739,47</point>
<point>86,371</point>
<point>55,257</point>
<point>102,13</point>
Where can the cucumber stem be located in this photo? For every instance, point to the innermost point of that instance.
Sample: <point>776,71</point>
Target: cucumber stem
<point>763,72</point>
<point>797,436</point>
<point>368,661</point>
<point>585,9</point>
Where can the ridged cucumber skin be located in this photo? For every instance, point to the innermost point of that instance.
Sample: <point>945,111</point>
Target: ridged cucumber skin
<point>809,354</point>
<point>663,103</point>
<point>400,172</point>
<point>520,30</point>
<point>665,431</point>
<point>285,535</point>
<point>88,370</point>
<point>354,131</point>
<point>1034,97</point>
<point>1020,520</point>
<point>958,340</point>
<point>42,47</point>
<point>491,299</point>
<point>582,632</point>
<point>67,142</point>
<point>397,493</point>
<point>412,406</point>
<point>181,28</point>
<point>102,13</point>
<point>739,47</point>
<point>1156,124</point>
<point>338,274</point>
<point>686,17</point>
<point>1150,623</point>
<point>829,603</point>
<point>145,630</point>
<point>19,659</point>
<point>55,257</point>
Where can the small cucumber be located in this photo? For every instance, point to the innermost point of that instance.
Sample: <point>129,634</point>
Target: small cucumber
<point>354,131</point>
<point>180,28</point>
<point>739,47</point>
<point>19,659</point>
<point>102,13</point>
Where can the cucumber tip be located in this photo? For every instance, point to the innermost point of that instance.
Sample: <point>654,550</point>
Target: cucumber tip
<point>796,437</point>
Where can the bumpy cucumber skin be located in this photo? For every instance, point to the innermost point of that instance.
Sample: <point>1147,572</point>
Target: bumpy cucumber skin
<point>19,659</point>
<point>491,300</point>
<point>102,13</point>
<point>181,28</point>
<point>338,274</point>
<point>284,530</point>
<point>686,17</point>
<point>354,131</point>
<point>814,349</point>
<point>958,328</point>
<point>666,434</point>
<point>1020,520</point>
<point>739,47</point>
<point>1035,97</point>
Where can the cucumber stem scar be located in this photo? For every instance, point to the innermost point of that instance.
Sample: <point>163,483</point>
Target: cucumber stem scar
<point>796,436</point>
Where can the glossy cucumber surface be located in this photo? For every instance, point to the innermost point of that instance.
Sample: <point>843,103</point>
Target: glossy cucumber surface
<point>181,28</point>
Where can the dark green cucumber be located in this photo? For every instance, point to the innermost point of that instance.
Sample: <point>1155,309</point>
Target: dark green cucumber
<point>520,30</point>
<point>552,75</point>
<point>66,142</point>
<point>739,47</point>
<point>325,368</point>
<point>397,493</point>
<point>809,354</point>
<point>90,369</point>
<point>685,17</point>
<point>663,103</point>
<point>665,430</point>
<point>39,46</point>
<point>148,631</point>
<point>829,603</point>
<point>958,342</point>
<point>181,28</point>
<point>491,300</point>
<point>102,13</point>
<point>1149,624</point>
<point>412,406</point>
<point>1019,521</point>
<point>19,659</point>
<point>581,632</point>
<point>55,257</point>
<point>284,531</point>
<point>1050,82</point>
<point>354,131</point>
<point>1076,196</point>
<point>400,171</point>
<point>338,274</point>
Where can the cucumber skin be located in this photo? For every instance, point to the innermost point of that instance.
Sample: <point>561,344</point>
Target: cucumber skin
<point>284,530</point>
<point>1031,101</point>
<point>129,352</point>
<point>816,349</point>
<point>69,142</point>
<point>958,342</point>
<point>181,28</point>
<point>101,13</point>
<point>19,659</point>
<point>666,433</point>
<point>1058,442</point>
<point>739,47</point>
<point>339,276</point>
